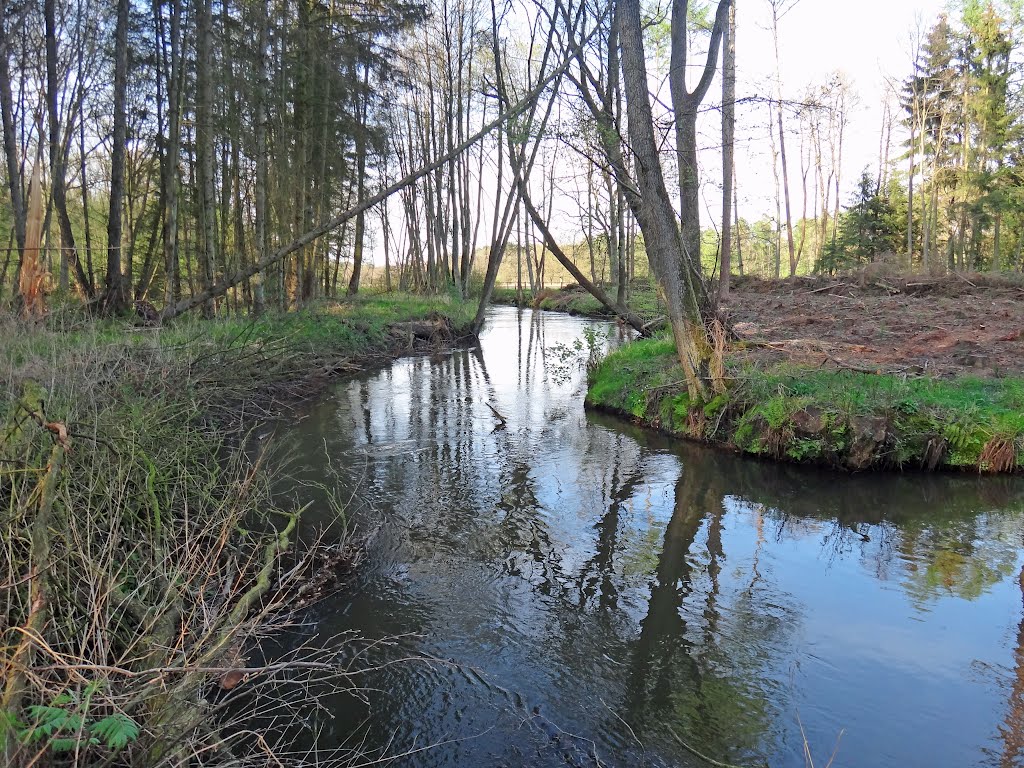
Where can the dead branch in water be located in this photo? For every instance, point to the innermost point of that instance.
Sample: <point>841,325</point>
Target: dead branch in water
<point>497,415</point>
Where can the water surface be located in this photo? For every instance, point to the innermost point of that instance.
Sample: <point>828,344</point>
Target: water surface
<point>595,595</point>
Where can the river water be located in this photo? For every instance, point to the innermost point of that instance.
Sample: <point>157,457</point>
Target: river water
<point>573,591</point>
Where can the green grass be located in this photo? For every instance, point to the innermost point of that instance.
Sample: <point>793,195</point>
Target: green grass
<point>344,328</point>
<point>837,417</point>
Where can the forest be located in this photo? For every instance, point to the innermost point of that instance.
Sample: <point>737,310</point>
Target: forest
<point>190,150</point>
<point>217,216</point>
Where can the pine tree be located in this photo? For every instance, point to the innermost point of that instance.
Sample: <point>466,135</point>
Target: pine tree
<point>989,51</point>
<point>870,227</point>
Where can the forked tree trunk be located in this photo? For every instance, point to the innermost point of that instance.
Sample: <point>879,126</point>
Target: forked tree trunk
<point>674,253</point>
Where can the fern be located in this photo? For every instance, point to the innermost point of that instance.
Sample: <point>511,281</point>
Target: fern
<point>58,728</point>
<point>48,720</point>
<point>115,731</point>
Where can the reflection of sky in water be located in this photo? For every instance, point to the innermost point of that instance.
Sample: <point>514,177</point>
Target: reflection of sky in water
<point>573,564</point>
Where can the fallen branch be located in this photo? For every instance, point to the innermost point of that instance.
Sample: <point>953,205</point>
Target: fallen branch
<point>827,288</point>
<point>973,285</point>
<point>39,555</point>
<point>497,415</point>
<point>654,325</point>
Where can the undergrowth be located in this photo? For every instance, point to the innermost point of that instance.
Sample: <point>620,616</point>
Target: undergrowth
<point>140,547</point>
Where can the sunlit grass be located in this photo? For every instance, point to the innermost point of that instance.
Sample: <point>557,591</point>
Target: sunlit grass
<point>810,414</point>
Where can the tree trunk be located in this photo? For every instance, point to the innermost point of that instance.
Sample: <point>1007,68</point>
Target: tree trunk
<point>623,312</point>
<point>782,138</point>
<point>205,147</point>
<point>14,177</point>
<point>360,230</point>
<point>910,194</point>
<point>736,214</point>
<point>728,136</point>
<point>262,161</point>
<point>674,254</point>
<point>58,157</point>
<point>778,198</point>
<point>116,293</point>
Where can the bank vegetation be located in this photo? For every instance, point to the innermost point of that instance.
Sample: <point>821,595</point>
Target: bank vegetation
<point>143,553</point>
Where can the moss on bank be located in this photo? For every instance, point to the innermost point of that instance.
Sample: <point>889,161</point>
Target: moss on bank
<point>838,418</point>
<point>140,544</point>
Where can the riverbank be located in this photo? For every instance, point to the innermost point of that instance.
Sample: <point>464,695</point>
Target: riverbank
<point>575,300</point>
<point>142,549</point>
<point>858,373</point>
<point>841,418</point>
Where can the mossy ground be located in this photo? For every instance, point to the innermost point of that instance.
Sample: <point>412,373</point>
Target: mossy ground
<point>835,417</point>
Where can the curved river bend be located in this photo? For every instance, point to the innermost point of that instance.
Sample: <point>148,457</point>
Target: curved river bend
<point>594,595</point>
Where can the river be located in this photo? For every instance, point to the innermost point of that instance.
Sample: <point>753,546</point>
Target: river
<point>573,591</point>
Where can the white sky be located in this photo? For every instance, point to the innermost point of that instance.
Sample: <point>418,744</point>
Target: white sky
<point>868,40</point>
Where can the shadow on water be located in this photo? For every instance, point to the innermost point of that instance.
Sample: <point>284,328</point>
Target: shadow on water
<point>580,592</point>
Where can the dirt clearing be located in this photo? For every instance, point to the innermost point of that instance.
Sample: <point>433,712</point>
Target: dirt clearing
<point>945,327</point>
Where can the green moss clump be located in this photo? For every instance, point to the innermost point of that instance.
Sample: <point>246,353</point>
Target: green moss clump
<point>716,405</point>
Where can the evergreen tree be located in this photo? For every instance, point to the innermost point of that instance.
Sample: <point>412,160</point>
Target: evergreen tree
<point>870,227</point>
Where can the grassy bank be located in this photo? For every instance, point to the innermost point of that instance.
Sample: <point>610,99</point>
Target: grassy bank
<point>140,550</point>
<point>839,418</point>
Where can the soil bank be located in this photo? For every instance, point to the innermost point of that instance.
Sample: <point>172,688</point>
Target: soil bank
<point>856,374</point>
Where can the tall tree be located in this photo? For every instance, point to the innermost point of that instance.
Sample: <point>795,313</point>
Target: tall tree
<point>674,252</point>
<point>205,147</point>
<point>58,153</point>
<point>780,8</point>
<point>115,292</point>
<point>10,131</point>
<point>728,147</point>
